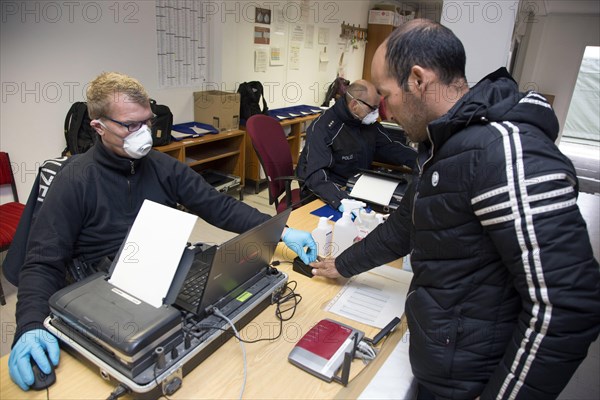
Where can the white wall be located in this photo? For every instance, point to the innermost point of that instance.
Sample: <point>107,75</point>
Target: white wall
<point>49,51</point>
<point>285,86</point>
<point>485,28</point>
<point>554,52</point>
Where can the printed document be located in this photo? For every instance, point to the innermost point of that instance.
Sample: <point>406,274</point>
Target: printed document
<point>374,297</point>
<point>374,189</point>
<point>151,255</point>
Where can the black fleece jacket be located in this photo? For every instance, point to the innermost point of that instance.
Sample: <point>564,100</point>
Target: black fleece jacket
<point>89,208</point>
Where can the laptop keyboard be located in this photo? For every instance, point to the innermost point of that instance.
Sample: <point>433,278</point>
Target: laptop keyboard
<point>194,285</point>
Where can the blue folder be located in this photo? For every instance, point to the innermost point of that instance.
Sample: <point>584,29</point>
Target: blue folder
<point>186,128</point>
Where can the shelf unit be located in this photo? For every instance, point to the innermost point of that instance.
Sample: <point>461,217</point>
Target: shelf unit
<point>223,152</point>
<point>297,131</point>
<point>376,34</point>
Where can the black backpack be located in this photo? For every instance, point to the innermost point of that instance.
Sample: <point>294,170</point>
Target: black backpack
<point>250,94</point>
<point>162,125</point>
<point>336,89</point>
<point>80,136</point>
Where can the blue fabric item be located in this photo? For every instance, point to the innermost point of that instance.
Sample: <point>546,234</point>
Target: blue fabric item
<point>327,211</point>
<point>186,128</point>
<point>294,111</point>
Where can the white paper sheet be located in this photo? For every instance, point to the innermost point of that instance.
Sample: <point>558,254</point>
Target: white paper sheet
<point>394,380</point>
<point>374,297</point>
<point>199,130</point>
<point>183,135</point>
<point>374,189</point>
<point>150,257</point>
<point>260,60</point>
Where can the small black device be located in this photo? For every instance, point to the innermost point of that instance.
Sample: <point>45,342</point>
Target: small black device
<point>41,380</point>
<point>385,331</point>
<point>301,267</point>
<point>221,181</point>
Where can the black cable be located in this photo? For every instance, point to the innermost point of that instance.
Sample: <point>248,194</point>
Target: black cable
<point>120,390</point>
<point>288,294</point>
<point>278,262</point>
<point>157,384</point>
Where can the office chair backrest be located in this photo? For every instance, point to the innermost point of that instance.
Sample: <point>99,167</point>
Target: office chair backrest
<point>15,256</point>
<point>10,213</point>
<point>273,150</point>
<point>6,174</point>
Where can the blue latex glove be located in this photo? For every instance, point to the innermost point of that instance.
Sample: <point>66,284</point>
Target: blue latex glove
<point>32,344</point>
<point>297,240</point>
<point>341,208</point>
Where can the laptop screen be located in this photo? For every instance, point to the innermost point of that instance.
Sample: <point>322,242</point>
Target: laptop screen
<point>239,261</point>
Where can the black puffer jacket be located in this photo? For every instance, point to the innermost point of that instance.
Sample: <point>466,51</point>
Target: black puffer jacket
<point>90,207</point>
<point>338,145</point>
<point>505,298</point>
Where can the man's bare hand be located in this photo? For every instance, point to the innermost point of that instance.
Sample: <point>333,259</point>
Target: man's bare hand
<point>325,267</point>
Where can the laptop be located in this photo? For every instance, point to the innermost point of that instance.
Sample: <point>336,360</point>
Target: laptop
<point>232,272</point>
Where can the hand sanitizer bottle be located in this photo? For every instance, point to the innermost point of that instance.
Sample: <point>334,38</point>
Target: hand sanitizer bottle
<point>366,223</point>
<point>323,235</point>
<point>344,233</point>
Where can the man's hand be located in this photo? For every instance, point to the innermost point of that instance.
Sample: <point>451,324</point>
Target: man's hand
<point>297,240</point>
<point>32,344</point>
<point>325,267</point>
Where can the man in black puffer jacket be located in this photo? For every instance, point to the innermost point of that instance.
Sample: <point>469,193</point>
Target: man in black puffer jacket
<point>505,298</point>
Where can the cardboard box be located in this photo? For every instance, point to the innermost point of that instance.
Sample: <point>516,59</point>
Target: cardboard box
<point>217,108</point>
<point>388,14</point>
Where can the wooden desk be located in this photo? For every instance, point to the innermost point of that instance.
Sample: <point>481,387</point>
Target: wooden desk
<point>270,375</point>
<point>223,152</point>
<point>297,128</point>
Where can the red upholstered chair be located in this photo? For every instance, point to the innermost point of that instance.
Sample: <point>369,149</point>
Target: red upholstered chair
<point>273,151</point>
<point>10,213</point>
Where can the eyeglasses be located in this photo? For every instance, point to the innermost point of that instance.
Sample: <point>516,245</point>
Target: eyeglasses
<point>133,126</point>
<point>363,102</point>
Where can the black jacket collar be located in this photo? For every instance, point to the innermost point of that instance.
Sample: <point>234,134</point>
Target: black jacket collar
<point>496,98</point>
<point>105,157</point>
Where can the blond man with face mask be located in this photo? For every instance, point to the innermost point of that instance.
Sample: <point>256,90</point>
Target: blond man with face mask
<point>93,202</point>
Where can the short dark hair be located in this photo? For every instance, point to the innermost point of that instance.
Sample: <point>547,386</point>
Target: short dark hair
<point>357,90</point>
<point>429,45</point>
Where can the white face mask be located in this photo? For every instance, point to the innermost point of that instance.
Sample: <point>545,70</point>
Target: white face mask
<point>371,117</point>
<point>139,143</point>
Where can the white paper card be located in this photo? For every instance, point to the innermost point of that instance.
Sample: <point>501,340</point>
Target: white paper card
<point>150,257</point>
<point>374,189</point>
<point>199,130</point>
<point>374,297</point>
<point>394,380</point>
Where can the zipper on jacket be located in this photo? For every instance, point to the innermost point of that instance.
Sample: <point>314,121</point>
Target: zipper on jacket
<point>421,169</point>
<point>456,328</point>
<point>132,164</point>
